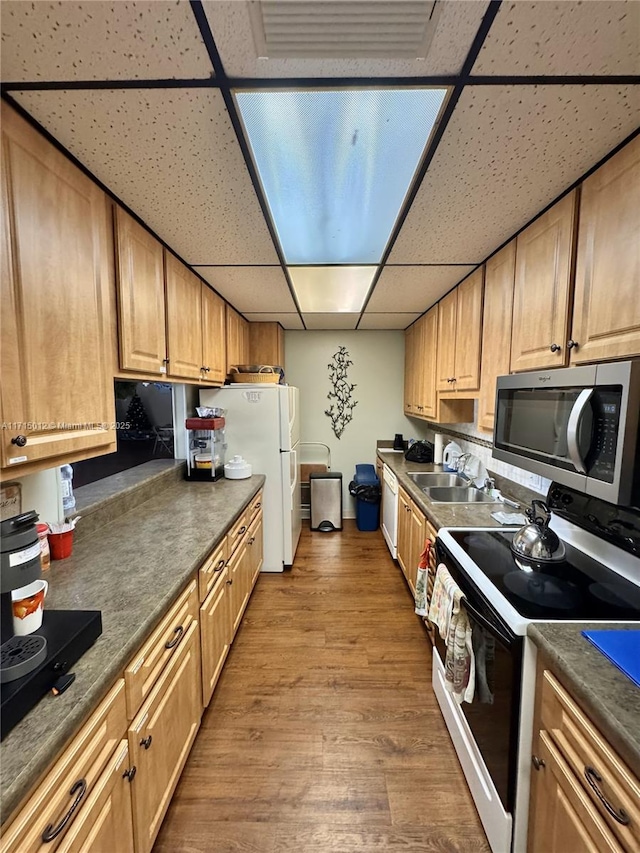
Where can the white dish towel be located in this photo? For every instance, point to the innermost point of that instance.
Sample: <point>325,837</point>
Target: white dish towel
<point>446,610</point>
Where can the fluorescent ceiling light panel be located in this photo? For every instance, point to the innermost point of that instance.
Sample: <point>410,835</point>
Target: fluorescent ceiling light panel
<point>336,166</point>
<point>327,289</point>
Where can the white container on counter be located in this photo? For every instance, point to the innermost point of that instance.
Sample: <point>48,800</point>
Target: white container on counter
<point>237,469</point>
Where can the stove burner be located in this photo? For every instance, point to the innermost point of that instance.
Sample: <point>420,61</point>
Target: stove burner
<point>543,590</point>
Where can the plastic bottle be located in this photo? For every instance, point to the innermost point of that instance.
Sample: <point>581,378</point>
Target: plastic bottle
<point>68,499</point>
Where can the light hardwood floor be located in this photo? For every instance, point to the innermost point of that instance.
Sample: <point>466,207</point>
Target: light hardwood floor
<point>323,735</point>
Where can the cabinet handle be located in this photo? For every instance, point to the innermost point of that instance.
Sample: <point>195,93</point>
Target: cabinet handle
<point>555,347</point>
<point>20,440</point>
<point>79,789</point>
<point>593,777</point>
<point>252,540</point>
<point>242,530</point>
<point>230,581</point>
<point>219,566</point>
<point>179,631</point>
<point>537,762</point>
<point>572,344</point>
<point>130,773</point>
<point>258,505</point>
<point>146,742</point>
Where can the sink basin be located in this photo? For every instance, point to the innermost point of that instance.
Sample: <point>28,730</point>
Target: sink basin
<point>420,478</point>
<point>459,495</point>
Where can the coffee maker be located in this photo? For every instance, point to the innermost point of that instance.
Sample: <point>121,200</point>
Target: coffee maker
<point>33,664</point>
<point>19,566</point>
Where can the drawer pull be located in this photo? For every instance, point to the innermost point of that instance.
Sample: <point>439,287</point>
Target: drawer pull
<point>593,777</point>
<point>242,530</point>
<point>258,505</point>
<point>130,773</point>
<point>252,540</point>
<point>220,566</point>
<point>538,763</point>
<point>51,832</point>
<point>146,742</point>
<point>170,644</point>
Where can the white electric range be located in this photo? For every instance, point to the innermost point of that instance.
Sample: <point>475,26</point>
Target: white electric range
<point>599,580</point>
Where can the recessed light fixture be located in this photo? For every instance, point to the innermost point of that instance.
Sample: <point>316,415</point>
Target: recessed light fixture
<point>336,165</point>
<point>331,289</point>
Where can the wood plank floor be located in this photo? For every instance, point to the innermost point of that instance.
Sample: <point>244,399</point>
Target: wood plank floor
<point>323,735</point>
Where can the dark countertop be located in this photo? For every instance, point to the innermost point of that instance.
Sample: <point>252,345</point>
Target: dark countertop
<point>605,694</point>
<point>441,515</point>
<point>131,569</point>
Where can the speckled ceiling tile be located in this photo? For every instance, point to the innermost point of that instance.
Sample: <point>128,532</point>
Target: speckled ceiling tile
<point>173,157</point>
<point>457,26</point>
<point>287,321</point>
<point>564,37</point>
<point>251,288</point>
<point>101,41</point>
<point>508,152</point>
<point>386,320</point>
<point>414,288</point>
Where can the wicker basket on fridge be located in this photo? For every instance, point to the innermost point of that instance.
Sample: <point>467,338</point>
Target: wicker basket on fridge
<point>260,373</point>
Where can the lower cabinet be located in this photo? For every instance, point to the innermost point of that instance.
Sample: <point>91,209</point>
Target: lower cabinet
<point>583,796</point>
<point>215,634</point>
<point>109,790</point>
<point>411,537</point>
<point>161,737</point>
<point>105,824</point>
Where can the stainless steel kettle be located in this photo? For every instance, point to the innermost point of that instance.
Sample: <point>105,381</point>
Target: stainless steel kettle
<point>536,541</point>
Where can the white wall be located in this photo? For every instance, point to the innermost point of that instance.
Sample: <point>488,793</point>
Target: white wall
<point>378,373</point>
<point>42,492</point>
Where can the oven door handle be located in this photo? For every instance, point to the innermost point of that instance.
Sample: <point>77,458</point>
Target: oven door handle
<point>573,429</point>
<point>484,622</point>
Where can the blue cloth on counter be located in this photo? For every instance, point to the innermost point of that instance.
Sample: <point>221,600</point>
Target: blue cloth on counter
<point>621,647</point>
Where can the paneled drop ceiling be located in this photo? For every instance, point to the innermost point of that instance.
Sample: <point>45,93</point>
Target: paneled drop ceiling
<point>140,93</point>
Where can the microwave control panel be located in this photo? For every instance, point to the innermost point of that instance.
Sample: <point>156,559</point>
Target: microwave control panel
<point>606,421</point>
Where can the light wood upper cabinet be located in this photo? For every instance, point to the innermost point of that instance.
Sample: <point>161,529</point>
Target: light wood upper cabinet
<point>410,368</point>
<point>496,329</point>
<point>542,294</point>
<point>266,344</point>
<point>214,352</point>
<point>237,339</point>
<point>56,389</point>
<point>184,320</point>
<point>606,314</point>
<point>446,361</point>
<point>427,398</point>
<point>141,300</point>
<point>460,335</point>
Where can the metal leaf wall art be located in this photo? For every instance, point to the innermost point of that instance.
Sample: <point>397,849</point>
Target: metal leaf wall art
<point>341,397</point>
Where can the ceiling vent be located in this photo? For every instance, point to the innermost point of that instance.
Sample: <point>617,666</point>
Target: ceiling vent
<point>343,29</point>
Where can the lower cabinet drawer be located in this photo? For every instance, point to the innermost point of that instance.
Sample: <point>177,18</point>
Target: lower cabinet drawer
<point>105,824</point>
<point>141,674</point>
<point>161,737</point>
<point>608,783</point>
<point>61,799</point>
<point>211,569</point>
<point>255,506</point>
<point>236,533</point>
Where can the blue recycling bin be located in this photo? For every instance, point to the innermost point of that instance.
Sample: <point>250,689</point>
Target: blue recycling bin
<point>365,487</point>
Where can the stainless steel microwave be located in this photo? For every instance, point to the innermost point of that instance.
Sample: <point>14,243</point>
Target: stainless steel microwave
<point>579,426</point>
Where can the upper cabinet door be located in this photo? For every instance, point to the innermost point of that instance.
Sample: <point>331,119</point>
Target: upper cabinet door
<point>213,336</point>
<point>410,406</point>
<point>541,303</point>
<point>141,315</point>
<point>184,320</point>
<point>237,339</point>
<point>606,314</point>
<point>469,332</point>
<point>446,364</point>
<point>428,397</point>
<point>496,329</point>
<point>56,388</point>
<point>266,344</point>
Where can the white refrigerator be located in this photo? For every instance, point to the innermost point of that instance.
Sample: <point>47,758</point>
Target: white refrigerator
<point>262,425</point>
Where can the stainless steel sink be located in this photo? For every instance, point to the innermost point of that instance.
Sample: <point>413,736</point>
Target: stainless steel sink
<point>459,495</point>
<point>422,479</point>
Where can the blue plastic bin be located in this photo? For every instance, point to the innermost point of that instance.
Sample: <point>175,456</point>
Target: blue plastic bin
<point>365,487</point>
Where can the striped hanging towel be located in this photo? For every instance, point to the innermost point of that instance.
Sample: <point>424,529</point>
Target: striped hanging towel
<point>421,580</point>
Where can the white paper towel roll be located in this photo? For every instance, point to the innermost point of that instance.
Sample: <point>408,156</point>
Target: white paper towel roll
<point>437,448</point>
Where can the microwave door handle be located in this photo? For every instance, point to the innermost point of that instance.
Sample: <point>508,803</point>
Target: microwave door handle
<point>573,429</point>
<point>484,622</point>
